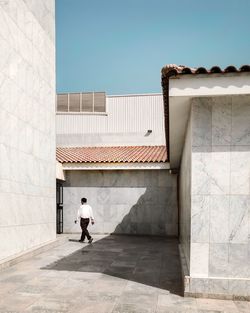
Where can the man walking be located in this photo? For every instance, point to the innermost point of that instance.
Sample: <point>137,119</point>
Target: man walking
<point>85,214</point>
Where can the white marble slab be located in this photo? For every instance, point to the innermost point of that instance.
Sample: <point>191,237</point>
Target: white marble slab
<point>199,259</point>
<point>201,170</point>
<point>221,121</point>
<point>220,170</point>
<point>199,218</point>
<point>239,265</point>
<point>219,218</point>
<point>239,218</point>
<point>201,121</point>
<point>219,260</point>
<point>241,120</point>
<point>240,170</point>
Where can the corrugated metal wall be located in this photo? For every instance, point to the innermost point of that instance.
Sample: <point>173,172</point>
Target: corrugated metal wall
<point>135,113</point>
<point>81,124</point>
<point>127,117</point>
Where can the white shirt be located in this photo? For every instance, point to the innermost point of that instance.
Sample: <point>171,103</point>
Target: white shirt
<point>85,211</point>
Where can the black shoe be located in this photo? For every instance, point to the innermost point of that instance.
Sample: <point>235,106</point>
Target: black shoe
<point>81,240</point>
<point>90,240</point>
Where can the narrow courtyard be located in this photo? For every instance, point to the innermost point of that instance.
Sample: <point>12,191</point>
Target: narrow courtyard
<point>115,274</point>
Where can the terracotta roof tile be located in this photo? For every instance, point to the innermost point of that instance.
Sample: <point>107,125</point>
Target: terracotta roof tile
<point>144,154</point>
<point>173,69</point>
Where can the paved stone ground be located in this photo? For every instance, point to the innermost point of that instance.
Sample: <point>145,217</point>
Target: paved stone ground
<point>115,274</point>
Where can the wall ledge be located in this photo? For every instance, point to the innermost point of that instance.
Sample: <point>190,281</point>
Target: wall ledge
<point>17,258</point>
<point>116,166</point>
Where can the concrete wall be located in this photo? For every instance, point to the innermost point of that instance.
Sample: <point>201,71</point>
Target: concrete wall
<point>220,232</point>
<point>124,202</point>
<point>185,196</point>
<point>27,125</point>
<point>126,122</point>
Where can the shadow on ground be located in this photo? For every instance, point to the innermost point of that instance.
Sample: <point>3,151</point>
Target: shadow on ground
<point>152,261</point>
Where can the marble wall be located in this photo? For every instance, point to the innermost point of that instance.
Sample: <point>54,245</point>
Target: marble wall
<point>124,202</point>
<point>27,125</point>
<point>220,196</point>
<point>185,196</point>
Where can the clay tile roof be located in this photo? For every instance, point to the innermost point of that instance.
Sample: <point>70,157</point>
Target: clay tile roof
<point>173,70</point>
<point>143,154</point>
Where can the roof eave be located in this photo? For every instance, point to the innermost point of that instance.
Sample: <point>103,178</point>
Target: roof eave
<point>117,166</point>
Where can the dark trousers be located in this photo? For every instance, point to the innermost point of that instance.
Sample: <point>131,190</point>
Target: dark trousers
<point>84,225</point>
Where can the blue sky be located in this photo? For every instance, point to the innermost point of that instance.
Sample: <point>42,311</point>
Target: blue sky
<point>120,46</point>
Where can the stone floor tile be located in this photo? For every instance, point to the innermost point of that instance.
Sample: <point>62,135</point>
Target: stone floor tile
<point>15,278</point>
<point>149,279</point>
<point>150,300</point>
<point>172,285</point>
<point>124,263</point>
<point>209,311</point>
<point>96,296</point>
<point>176,300</point>
<point>26,289</point>
<point>135,287</point>
<point>15,302</point>
<point>112,278</point>
<point>217,305</point>
<point>47,282</point>
<point>132,308</point>
<point>85,276</point>
<point>6,288</point>
<point>243,306</point>
<point>54,274</point>
<point>93,307</point>
<point>174,309</point>
<point>113,286</point>
<point>50,305</point>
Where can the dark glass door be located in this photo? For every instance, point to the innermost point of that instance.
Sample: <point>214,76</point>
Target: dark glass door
<point>59,208</point>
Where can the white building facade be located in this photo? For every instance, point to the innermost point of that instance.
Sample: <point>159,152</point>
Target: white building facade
<point>128,120</point>
<point>209,141</point>
<point>27,126</point>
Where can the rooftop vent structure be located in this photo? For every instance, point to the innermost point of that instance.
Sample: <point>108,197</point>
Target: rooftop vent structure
<point>81,102</point>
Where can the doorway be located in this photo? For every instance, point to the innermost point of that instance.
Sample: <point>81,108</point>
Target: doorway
<point>59,207</point>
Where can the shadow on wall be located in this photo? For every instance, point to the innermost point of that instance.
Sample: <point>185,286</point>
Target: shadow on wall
<point>124,202</point>
<point>154,213</point>
<point>151,261</point>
